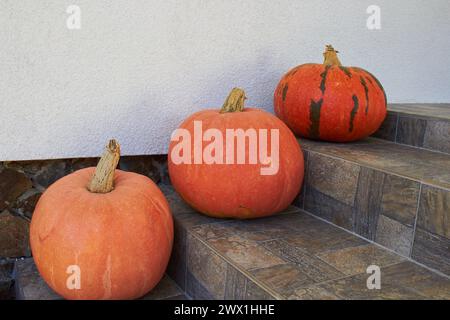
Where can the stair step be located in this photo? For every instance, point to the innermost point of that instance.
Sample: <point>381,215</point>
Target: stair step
<point>420,125</point>
<point>292,255</point>
<point>395,195</point>
<point>30,286</point>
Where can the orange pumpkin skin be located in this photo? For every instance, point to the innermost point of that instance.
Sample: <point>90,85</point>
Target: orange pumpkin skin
<point>331,103</point>
<point>239,190</point>
<point>120,240</point>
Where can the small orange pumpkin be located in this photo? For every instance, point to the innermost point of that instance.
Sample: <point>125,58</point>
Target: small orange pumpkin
<point>102,233</point>
<point>329,101</point>
<point>237,189</point>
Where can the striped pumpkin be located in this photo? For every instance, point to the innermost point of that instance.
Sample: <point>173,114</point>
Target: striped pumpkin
<point>329,101</point>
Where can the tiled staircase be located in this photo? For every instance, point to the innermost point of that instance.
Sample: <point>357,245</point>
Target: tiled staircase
<point>383,201</point>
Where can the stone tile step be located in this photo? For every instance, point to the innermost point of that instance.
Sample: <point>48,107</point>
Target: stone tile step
<point>420,125</point>
<point>395,195</point>
<point>292,255</point>
<point>30,286</point>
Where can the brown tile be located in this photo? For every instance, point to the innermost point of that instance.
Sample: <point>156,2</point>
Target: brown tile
<point>313,293</point>
<point>328,208</point>
<point>432,250</point>
<point>235,285</point>
<point>399,200</point>
<point>426,111</point>
<point>355,260</point>
<point>355,288</point>
<point>411,131</point>
<point>323,237</point>
<point>418,164</point>
<point>207,267</point>
<point>367,203</point>
<point>333,177</point>
<point>177,204</point>
<point>418,279</point>
<point>395,235</point>
<point>283,278</point>
<point>437,136</point>
<point>312,267</point>
<point>245,253</point>
<point>165,289</point>
<point>255,292</point>
<point>434,209</point>
<point>388,128</point>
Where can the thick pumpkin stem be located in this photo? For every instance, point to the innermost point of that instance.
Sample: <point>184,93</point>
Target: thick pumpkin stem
<point>330,57</point>
<point>103,179</point>
<point>234,102</point>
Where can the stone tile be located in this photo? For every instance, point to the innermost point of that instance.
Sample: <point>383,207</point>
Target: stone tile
<point>255,292</point>
<point>354,260</point>
<point>434,211</point>
<point>388,128</point>
<point>418,164</point>
<point>394,235</point>
<point>418,279</point>
<point>165,289</point>
<point>313,293</point>
<point>179,297</point>
<point>154,167</point>
<point>426,111</point>
<point>437,136</point>
<point>196,290</point>
<point>323,237</point>
<point>355,288</point>
<point>245,253</point>
<point>432,250</point>
<point>367,203</point>
<point>333,177</point>
<point>299,200</point>
<point>411,131</point>
<point>400,197</point>
<point>29,284</point>
<point>235,285</point>
<point>14,234</point>
<point>328,208</point>
<point>312,267</point>
<point>206,266</point>
<point>283,278</point>
<point>12,184</point>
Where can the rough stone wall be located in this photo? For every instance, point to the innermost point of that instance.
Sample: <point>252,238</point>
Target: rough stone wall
<point>21,185</point>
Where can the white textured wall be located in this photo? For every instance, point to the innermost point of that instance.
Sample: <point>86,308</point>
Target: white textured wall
<point>137,68</point>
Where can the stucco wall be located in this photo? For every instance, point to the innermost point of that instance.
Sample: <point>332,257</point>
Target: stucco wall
<point>135,69</point>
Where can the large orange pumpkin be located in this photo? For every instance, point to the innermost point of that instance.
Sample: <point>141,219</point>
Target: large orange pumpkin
<point>329,101</point>
<point>236,189</point>
<point>105,238</point>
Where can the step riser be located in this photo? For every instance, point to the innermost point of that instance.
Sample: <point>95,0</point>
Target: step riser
<point>401,214</point>
<point>416,130</point>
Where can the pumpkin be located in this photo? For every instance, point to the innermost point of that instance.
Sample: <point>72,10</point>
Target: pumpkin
<point>329,101</point>
<point>234,183</point>
<point>101,233</point>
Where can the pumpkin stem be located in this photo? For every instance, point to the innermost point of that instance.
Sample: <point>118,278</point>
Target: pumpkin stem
<point>331,58</point>
<point>103,179</point>
<point>234,102</point>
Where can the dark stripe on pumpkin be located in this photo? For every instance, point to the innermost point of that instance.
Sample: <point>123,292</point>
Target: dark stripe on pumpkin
<point>366,91</point>
<point>314,117</point>
<point>346,71</point>
<point>353,112</point>
<point>285,90</point>
<point>376,80</point>
<point>323,75</point>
